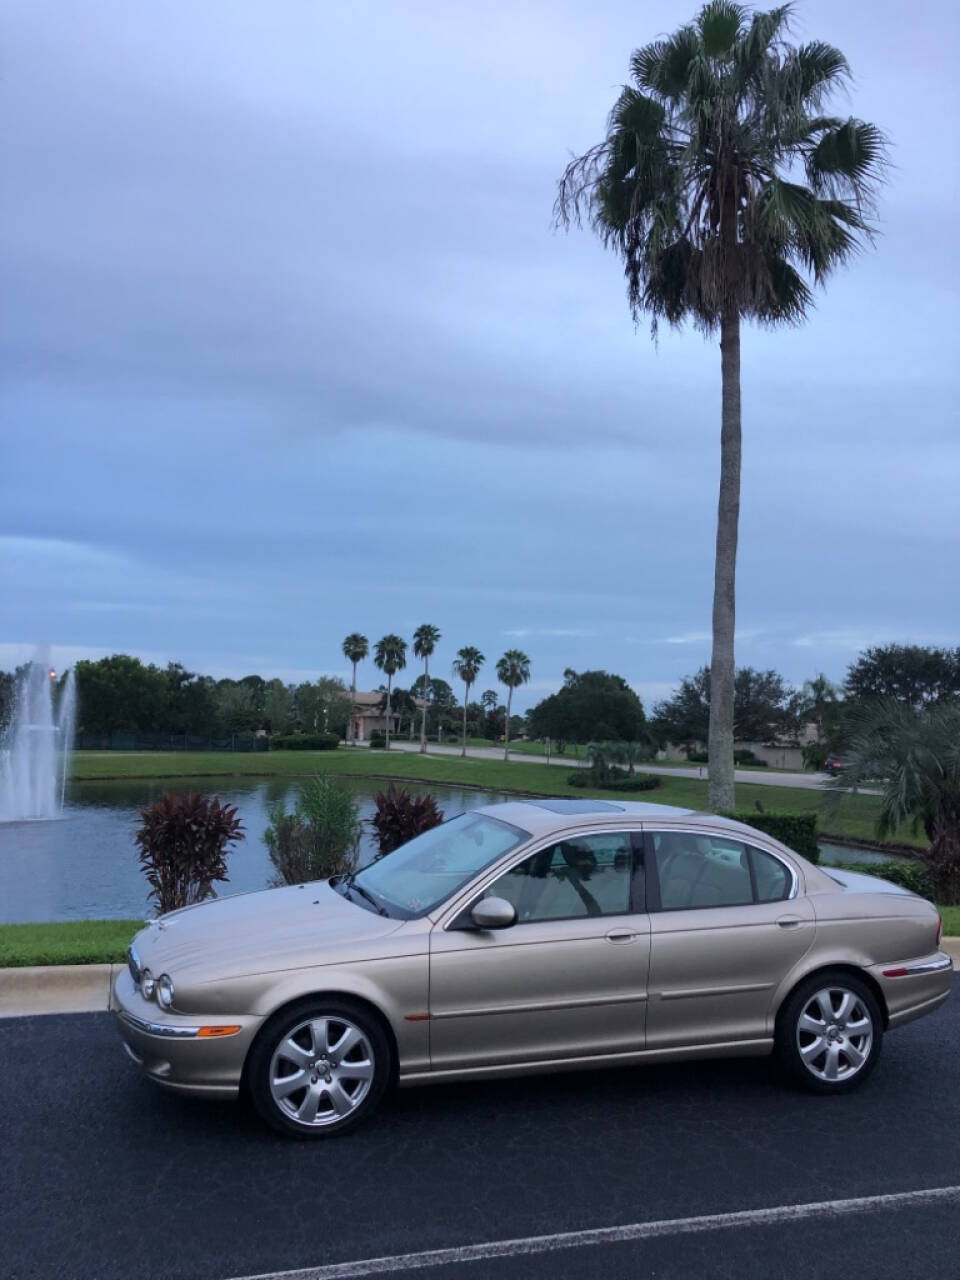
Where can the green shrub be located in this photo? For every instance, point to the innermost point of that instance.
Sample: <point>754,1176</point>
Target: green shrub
<point>400,816</point>
<point>320,838</point>
<point>614,780</point>
<point>304,742</point>
<point>746,756</point>
<point>183,843</point>
<point>378,740</point>
<point>697,757</point>
<point>798,831</point>
<point>909,875</point>
<point>814,756</point>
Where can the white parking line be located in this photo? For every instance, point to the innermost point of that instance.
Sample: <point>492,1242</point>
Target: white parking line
<point>616,1235</point>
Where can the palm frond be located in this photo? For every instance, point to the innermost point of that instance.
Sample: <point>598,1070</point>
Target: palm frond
<point>719,24</point>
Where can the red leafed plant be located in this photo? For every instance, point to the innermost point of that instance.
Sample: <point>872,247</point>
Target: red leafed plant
<point>183,843</point>
<point>400,816</point>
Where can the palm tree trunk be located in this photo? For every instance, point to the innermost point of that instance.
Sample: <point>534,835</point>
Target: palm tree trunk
<point>506,725</point>
<point>423,721</point>
<point>720,739</point>
<point>389,715</point>
<point>466,695</point>
<point>352,735</point>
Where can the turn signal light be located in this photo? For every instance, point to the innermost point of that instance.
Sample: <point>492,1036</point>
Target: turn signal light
<point>218,1031</point>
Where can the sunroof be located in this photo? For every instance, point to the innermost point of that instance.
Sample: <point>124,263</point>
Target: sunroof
<point>579,806</point>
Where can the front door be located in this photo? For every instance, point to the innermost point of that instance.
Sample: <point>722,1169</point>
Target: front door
<point>725,932</point>
<point>567,980</point>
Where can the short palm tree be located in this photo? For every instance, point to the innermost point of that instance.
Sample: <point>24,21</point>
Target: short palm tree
<point>727,190</point>
<point>916,756</point>
<point>424,642</point>
<point>513,670</point>
<point>466,667</point>
<point>817,695</point>
<point>355,649</point>
<point>390,655</point>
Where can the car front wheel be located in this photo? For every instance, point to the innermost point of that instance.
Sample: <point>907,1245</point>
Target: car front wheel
<point>319,1068</point>
<point>829,1033</point>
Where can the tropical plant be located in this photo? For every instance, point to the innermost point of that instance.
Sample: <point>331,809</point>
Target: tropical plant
<point>321,838</point>
<point>726,190</point>
<point>424,642</point>
<point>390,655</point>
<point>632,753</point>
<point>466,667</point>
<point>355,649</point>
<point>400,816</point>
<point>183,842</point>
<point>513,670</point>
<point>915,756</point>
<point>816,698</point>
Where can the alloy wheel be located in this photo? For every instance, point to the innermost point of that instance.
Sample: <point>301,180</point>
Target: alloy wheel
<point>834,1034</point>
<point>321,1071</point>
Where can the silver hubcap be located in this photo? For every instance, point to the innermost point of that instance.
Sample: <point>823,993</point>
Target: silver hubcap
<point>834,1034</point>
<point>321,1071</point>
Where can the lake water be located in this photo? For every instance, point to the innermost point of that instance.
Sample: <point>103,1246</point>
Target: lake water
<point>85,866</point>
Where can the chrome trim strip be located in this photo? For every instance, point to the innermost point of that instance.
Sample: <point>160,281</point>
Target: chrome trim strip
<point>167,1029</point>
<point>546,1006</point>
<point>942,962</point>
<point>688,993</point>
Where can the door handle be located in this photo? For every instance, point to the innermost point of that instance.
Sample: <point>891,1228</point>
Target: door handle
<point>789,922</point>
<point>621,935</point>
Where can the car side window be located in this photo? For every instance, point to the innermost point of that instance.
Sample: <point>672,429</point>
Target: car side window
<point>771,877</point>
<point>700,870</point>
<point>582,876</point>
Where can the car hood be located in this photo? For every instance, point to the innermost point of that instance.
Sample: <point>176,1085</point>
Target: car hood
<point>857,882</point>
<point>259,932</point>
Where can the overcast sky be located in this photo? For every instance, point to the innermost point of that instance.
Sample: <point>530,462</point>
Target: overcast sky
<point>290,349</point>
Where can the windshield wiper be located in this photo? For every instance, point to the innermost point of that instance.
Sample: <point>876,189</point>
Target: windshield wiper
<point>350,882</point>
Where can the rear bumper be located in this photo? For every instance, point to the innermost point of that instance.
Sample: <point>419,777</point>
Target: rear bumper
<point>175,1051</point>
<point>912,988</point>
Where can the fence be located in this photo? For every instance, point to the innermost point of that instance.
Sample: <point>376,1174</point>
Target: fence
<point>168,742</point>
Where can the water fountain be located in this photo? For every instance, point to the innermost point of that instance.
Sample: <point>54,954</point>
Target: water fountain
<point>35,750</point>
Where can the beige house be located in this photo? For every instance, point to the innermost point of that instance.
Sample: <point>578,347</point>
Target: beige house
<point>783,754</point>
<point>368,718</point>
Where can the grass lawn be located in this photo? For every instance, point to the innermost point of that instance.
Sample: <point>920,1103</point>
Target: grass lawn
<point>854,819</point>
<point>951,921</point>
<point>70,942</point>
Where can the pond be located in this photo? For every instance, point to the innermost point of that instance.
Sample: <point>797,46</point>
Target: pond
<point>84,865</point>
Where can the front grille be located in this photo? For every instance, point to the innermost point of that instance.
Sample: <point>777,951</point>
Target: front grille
<point>133,964</point>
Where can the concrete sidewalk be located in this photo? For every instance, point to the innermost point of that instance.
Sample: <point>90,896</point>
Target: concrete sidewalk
<point>85,988</point>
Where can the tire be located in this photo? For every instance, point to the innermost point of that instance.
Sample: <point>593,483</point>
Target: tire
<point>319,1068</point>
<point>829,1032</point>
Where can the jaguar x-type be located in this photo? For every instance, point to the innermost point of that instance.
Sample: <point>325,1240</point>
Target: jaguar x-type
<point>540,936</point>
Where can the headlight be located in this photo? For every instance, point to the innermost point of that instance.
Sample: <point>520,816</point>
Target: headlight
<point>165,991</point>
<point>147,984</point>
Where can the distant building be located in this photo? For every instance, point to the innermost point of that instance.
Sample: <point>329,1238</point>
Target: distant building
<point>368,717</point>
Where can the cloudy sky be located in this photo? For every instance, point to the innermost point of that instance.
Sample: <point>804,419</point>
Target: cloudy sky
<point>290,349</point>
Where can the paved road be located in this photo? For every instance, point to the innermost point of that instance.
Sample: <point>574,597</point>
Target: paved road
<point>765,777</point>
<point>103,1177</point>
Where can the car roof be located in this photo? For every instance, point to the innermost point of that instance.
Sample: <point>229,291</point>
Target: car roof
<point>543,815</point>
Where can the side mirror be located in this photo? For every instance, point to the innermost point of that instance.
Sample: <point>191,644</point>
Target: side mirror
<point>493,913</point>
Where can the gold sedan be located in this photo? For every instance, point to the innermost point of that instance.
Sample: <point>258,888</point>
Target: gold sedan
<point>550,935</point>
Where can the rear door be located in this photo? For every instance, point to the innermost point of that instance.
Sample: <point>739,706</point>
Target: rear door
<point>726,926</point>
<point>568,979</point>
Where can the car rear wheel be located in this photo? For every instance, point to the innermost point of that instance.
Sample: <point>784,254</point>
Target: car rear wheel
<point>319,1068</point>
<point>829,1033</point>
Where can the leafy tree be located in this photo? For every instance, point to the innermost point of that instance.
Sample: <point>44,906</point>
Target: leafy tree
<point>727,190</point>
<point>466,667</point>
<point>390,655</point>
<point>764,708</point>
<point>910,673</point>
<point>323,705</point>
<point>915,752</point>
<point>120,694</point>
<point>513,670</point>
<point>819,699</point>
<point>489,699</point>
<point>236,706</point>
<point>425,640</point>
<point>277,706</point>
<point>587,702</point>
<point>355,649</point>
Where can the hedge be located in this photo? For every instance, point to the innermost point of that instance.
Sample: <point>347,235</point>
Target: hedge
<point>798,831</point>
<point>909,875</point>
<point>304,742</point>
<point>631,782</point>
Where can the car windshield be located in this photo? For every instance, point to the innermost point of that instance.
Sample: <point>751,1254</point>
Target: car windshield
<point>425,872</point>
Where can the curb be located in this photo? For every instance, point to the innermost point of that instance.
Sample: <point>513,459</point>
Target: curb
<point>86,988</point>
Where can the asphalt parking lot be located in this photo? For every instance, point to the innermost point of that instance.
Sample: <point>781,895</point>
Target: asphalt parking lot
<point>104,1177</point>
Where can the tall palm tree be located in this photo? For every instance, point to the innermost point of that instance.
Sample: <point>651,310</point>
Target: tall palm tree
<point>390,655</point>
<point>513,670</point>
<point>355,649</point>
<point>424,642</point>
<point>466,666</point>
<point>916,756</point>
<point>727,191</point>
<point>818,694</point>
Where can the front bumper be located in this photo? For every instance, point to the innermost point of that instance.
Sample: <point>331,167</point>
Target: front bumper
<point>912,988</point>
<point>187,1054</point>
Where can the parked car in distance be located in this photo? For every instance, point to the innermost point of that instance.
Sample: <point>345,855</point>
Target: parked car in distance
<point>547,935</point>
<point>832,765</point>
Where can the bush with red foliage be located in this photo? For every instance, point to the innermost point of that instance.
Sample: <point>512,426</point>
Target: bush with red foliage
<point>183,843</point>
<point>400,816</point>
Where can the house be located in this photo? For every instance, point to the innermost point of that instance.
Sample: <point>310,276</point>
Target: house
<point>368,716</point>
